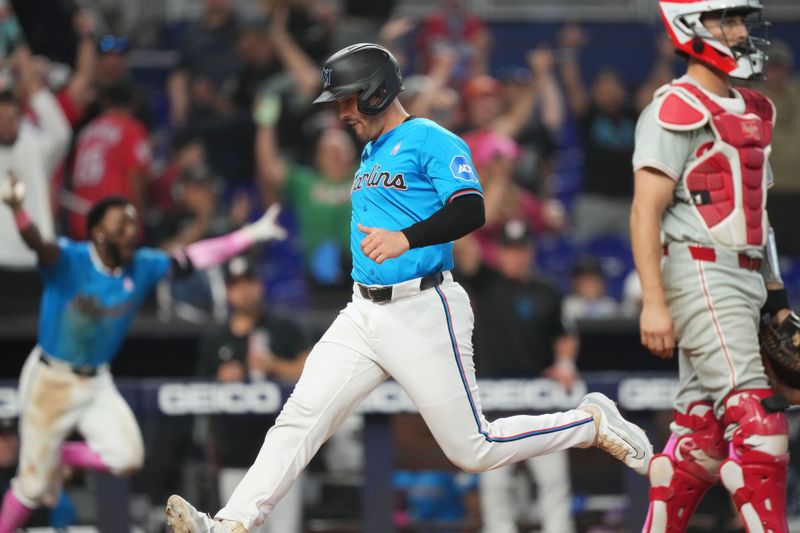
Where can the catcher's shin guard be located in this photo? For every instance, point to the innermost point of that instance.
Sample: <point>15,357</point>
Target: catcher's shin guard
<point>685,470</point>
<point>755,471</point>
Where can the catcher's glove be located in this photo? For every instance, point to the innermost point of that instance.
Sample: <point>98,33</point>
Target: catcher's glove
<point>780,349</point>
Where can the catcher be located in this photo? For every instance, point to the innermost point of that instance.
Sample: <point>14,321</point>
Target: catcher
<point>706,258</point>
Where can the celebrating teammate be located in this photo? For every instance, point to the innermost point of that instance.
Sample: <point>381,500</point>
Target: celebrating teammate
<point>91,293</point>
<point>702,174</point>
<point>413,195</point>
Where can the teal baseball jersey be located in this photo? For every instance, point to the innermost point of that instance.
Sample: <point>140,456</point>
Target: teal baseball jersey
<point>405,176</point>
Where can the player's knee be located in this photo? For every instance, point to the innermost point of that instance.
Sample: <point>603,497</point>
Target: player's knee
<point>30,489</point>
<point>469,460</point>
<point>128,462</point>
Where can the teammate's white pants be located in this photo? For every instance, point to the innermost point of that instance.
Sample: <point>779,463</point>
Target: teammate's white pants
<point>500,507</point>
<point>54,401</point>
<point>287,516</point>
<point>423,339</point>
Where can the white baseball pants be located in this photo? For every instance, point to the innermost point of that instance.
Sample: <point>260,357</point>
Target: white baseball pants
<point>423,339</point>
<point>54,402</point>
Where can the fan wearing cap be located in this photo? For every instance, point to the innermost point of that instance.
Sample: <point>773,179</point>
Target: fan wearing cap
<point>254,344</point>
<point>519,333</point>
<point>415,192</point>
<point>702,172</point>
<point>92,290</point>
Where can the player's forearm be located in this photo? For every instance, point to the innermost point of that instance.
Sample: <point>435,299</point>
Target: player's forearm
<point>566,349</point>
<point>212,252</point>
<point>46,252</point>
<point>460,217</point>
<point>647,252</point>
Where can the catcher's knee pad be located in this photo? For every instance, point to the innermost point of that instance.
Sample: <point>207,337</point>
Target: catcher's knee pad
<point>755,471</point>
<point>685,470</point>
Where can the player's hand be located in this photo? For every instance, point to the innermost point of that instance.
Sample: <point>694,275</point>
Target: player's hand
<point>657,330</point>
<point>267,228</point>
<point>382,244</point>
<point>563,372</point>
<point>12,191</point>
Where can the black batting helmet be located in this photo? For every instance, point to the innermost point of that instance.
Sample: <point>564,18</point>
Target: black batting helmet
<point>366,69</point>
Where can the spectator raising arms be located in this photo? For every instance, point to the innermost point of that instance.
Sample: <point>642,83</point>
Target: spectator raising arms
<point>31,146</point>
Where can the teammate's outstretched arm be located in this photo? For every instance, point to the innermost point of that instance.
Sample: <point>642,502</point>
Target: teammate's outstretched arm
<point>215,251</point>
<point>13,195</point>
<point>460,217</point>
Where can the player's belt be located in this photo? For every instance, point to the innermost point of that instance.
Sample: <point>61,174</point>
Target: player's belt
<point>384,294</point>
<point>704,253</point>
<point>87,371</point>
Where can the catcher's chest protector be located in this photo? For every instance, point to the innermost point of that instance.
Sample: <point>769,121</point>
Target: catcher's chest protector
<point>727,183</point>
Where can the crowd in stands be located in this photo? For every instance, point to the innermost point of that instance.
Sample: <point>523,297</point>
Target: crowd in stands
<point>238,132</point>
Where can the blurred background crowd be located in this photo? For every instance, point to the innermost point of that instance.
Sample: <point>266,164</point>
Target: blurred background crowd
<point>200,113</point>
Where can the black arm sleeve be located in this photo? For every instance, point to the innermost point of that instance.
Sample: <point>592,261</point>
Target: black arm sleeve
<point>180,265</point>
<point>463,215</point>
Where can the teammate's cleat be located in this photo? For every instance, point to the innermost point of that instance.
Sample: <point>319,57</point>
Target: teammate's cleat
<point>183,518</point>
<point>615,435</point>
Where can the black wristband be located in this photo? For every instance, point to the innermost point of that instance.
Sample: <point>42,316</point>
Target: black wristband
<point>777,299</point>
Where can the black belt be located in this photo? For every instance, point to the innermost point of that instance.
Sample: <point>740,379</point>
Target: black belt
<point>87,371</point>
<point>384,294</point>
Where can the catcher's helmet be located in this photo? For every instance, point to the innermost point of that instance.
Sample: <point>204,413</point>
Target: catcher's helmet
<point>690,37</point>
<point>365,69</point>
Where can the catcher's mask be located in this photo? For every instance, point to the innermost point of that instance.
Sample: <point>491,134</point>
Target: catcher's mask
<point>684,22</point>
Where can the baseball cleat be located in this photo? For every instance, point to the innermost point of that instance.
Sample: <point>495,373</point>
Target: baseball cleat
<point>183,518</point>
<point>615,435</point>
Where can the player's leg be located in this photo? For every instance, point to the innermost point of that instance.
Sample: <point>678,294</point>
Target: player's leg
<point>287,515</point>
<point>113,439</point>
<point>719,335</point>
<point>755,470</point>
<point>689,464</point>
<point>427,347</point>
<point>337,376</point>
<point>498,509</point>
<point>50,401</point>
<point>554,490</point>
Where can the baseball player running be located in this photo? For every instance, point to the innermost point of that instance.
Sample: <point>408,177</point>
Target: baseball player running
<point>702,174</point>
<point>91,293</point>
<point>415,193</point>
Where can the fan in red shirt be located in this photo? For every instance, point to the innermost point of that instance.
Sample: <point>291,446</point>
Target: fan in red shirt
<point>112,156</point>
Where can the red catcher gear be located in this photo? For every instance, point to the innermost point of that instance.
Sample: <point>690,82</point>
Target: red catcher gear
<point>755,471</point>
<point>728,182</point>
<point>685,470</point>
<point>686,30</point>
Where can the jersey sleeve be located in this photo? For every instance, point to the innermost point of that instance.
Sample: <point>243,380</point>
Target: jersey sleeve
<point>659,148</point>
<point>447,162</point>
<point>155,265</point>
<point>61,269</point>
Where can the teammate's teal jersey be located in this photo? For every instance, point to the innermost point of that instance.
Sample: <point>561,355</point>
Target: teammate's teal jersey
<point>86,312</point>
<point>406,176</point>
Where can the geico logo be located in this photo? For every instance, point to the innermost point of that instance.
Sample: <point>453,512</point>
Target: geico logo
<point>218,398</point>
<point>528,394</point>
<point>647,393</point>
<point>9,402</point>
